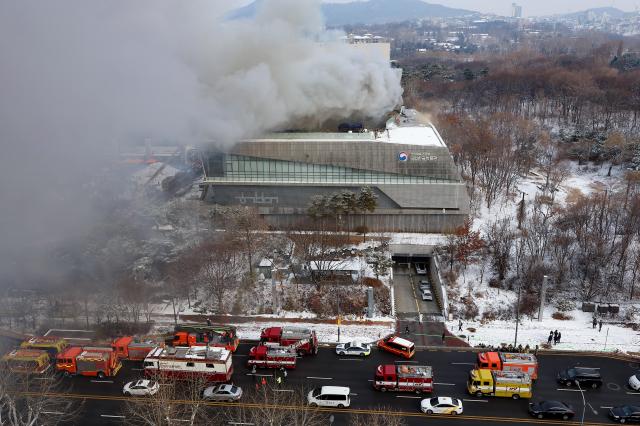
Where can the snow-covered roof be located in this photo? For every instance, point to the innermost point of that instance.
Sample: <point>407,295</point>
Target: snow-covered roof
<point>265,263</point>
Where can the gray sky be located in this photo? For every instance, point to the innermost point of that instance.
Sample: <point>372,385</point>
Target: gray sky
<point>532,8</point>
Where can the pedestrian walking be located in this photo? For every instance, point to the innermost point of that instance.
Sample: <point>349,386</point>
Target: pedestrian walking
<point>600,327</point>
<point>595,322</point>
<point>559,336</point>
<point>459,325</point>
<point>443,336</point>
<point>550,338</point>
<point>406,330</point>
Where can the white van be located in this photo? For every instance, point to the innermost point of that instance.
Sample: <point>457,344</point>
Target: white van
<point>329,396</point>
<point>634,382</point>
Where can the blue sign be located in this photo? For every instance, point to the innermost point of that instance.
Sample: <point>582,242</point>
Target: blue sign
<point>403,156</point>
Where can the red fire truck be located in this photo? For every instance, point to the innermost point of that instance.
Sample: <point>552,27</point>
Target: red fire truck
<point>213,364</point>
<point>503,361</point>
<point>406,378</point>
<point>128,347</point>
<point>303,340</point>
<point>87,361</point>
<point>271,356</point>
<point>224,336</point>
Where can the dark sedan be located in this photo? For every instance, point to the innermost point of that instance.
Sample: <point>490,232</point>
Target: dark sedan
<point>551,409</point>
<point>625,414</point>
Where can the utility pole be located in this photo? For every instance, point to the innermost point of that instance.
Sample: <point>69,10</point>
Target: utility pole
<point>543,294</point>
<point>515,342</point>
<point>274,290</point>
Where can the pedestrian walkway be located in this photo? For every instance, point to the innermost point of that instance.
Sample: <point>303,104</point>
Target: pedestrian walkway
<point>428,333</point>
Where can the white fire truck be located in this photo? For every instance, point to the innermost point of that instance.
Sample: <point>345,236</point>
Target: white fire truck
<point>272,356</point>
<point>404,378</point>
<point>212,363</point>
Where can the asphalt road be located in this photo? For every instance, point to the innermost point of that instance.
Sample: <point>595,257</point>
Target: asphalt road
<point>104,401</point>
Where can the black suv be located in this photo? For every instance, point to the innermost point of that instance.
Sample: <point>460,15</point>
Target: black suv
<point>585,377</point>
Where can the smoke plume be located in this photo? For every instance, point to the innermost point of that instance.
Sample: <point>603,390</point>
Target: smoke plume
<point>79,77</point>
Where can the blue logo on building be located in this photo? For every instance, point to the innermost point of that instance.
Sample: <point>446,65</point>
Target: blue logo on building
<point>403,156</point>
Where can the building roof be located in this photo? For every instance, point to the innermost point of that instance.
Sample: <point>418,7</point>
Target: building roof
<point>419,135</point>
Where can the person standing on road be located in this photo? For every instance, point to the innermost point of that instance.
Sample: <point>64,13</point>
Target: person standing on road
<point>600,327</point>
<point>406,330</point>
<point>595,321</point>
<point>459,325</point>
<point>559,336</point>
<point>550,338</point>
<point>555,337</point>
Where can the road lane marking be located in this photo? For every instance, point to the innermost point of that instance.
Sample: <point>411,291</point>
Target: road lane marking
<point>44,378</point>
<point>463,417</point>
<point>319,378</point>
<point>633,393</point>
<point>350,359</point>
<point>111,416</point>
<point>283,390</point>
<point>353,394</point>
<point>475,400</point>
<point>411,397</point>
<point>406,362</point>
<point>179,420</point>
<point>58,413</point>
<point>444,384</point>
<point>102,381</point>
<point>463,363</point>
<point>241,423</point>
<point>137,369</point>
<point>605,407</point>
<point>259,375</point>
<point>371,380</point>
<point>570,390</point>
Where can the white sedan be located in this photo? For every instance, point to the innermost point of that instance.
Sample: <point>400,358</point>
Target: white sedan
<point>353,348</point>
<point>141,388</point>
<point>441,405</point>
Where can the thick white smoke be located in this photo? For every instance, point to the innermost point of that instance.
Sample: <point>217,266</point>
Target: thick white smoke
<point>77,77</point>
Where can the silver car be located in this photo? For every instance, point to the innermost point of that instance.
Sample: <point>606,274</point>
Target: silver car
<point>222,393</point>
<point>426,295</point>
<point>424,285</point>
<point>353,348</point>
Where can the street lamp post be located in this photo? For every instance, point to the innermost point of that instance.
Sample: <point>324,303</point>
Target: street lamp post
<point>515,341</point>
<point>584,403</point>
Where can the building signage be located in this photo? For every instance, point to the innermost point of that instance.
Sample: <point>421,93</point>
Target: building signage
<point>256,198</point>
<point>416,156</point>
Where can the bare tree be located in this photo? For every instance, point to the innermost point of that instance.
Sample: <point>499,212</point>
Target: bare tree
<point>266,407</point>
<point>25,401</point>
<point>220,269</point>
<point>384,416</point>
<point>176,402</point>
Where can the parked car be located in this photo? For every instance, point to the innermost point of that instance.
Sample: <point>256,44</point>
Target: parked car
<point>426,295</point>
<point>634,382</point>
<point>441,405</point>
<point>585,377</point>
<point>222,393</point>
<point>353,348</point>
<point>625,414</point>
<point>555,409</point>
<point>329,396</point>
<point>141,388</point>
<point>421,269</point>
<point>424,285</point>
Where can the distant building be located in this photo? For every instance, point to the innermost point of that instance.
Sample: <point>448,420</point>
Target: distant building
<point>516,10</point>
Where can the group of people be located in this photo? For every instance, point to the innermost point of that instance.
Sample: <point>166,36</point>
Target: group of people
<point>595,322</point>
<point>509,348</point>
<point>554,336</point>
<point>280,376</point>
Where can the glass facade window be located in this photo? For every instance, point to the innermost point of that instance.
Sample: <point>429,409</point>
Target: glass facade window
<point>237,168</point>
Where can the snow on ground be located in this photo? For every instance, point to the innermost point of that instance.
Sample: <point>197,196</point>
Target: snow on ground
<point>325,332</point>
<point>577,333</point>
